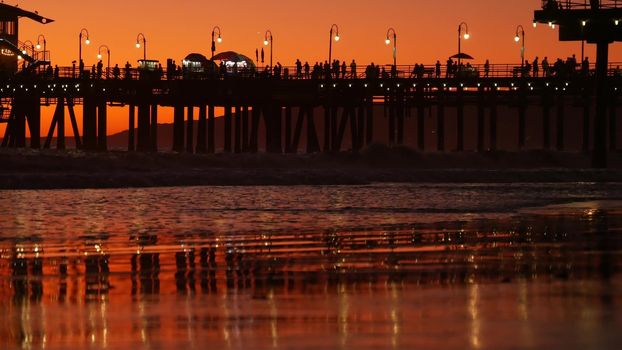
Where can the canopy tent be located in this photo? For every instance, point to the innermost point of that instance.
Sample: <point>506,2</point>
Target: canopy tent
<point>197,63</point>
<point>231,58</point>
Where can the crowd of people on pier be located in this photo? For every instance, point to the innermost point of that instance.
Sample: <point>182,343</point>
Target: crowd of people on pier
<point>337,69</point>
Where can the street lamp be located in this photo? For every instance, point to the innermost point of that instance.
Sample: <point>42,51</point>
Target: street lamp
<point>138,39</point>
<point>269,40</point>
<point>333,29</point>
<point>388,41</point>
<point>583,24</point>
<point>25,46</point>
<point>466,37</point>
<point>41,38</point>
<point>99,56</point>
<point>216,29</point>
<point>521,31</point>
<point>83,31</point>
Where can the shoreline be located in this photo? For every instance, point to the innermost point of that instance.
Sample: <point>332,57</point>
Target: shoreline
<point>34,169</point>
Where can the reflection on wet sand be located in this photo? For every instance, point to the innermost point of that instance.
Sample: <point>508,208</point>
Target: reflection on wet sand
<point>537,279</point>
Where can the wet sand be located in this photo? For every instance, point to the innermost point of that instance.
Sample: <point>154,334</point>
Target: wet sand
<point>27,169</point>
<point>395,266</point>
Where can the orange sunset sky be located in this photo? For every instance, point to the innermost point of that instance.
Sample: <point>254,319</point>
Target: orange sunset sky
<point>426,29</point>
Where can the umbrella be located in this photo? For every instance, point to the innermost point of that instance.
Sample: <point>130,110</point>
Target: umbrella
<point>462,56</point>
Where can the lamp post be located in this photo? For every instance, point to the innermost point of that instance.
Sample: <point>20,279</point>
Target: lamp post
<point>26,45</point>
<point>583,24</point>
<point>138,39</point>
<point>466,37</point>
<point>219,39</point>
<point>520,36</point>
<point>388,41</point>
<point>333,29</point>
<point>83,31</point>
<point>41,38</point>
<point>269,40</point>
<point>99,56</point>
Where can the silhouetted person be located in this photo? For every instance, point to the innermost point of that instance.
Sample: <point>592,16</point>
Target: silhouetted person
<point>594,4</point>
<point>551,5</point>
<point>527,69</point>
<point>298,69</point>
<point>448,69</point>
<point>536,67</point>
<point>81,67</point>
<point>585,66</point>
<point>545,67</point>
<point>572,64</point>
<point>56,72</point>
<point>100,69</point>
<point>344,70</point>
<point>487,69</point>
<point>128,74</point>
<point>353,69</point>
<point>116,72</point>
<point>438,69</point>
<point>307,69</point>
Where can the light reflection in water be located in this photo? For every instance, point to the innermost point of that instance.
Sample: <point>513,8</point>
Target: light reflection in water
<point>389,276</point>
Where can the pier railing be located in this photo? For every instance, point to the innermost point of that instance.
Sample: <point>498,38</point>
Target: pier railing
<point>579,4</point>
<point>430,71</point>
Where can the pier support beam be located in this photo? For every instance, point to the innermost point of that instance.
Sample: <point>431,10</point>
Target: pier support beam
<point>89,122</point>
<point>522,109</point>
<point>599,156</point>
<point>546,120</point>
<point>460,121</point>
<point>178,129</point>
<point>560,121</point>
<point>587,106</point>
<point>211,130</point>
<point>237,130</point>
<point>144,128</point>
<point>440,122</point>
<point>154,127</point>
<point>131,143</point>
<point>481,119</point>
<point>245,140</point>
<point>420,120</point>
<point>227,145</point>
<point>493,120</point>
<point>102,126</point>
<point>190,130</point>
<point>613,123</point>
<point>202,130</point>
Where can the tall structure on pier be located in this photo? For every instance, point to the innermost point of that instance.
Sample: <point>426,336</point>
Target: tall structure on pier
<point>597,22</point>
<point>10,46</point>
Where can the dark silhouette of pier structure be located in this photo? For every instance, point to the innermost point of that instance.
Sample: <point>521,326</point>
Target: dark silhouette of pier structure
<point>286,106</point>
<point>597,22</point>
